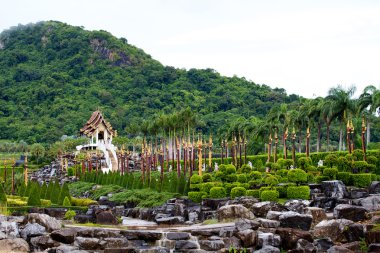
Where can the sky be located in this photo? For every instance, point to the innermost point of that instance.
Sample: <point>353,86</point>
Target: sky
<point>303,46</point>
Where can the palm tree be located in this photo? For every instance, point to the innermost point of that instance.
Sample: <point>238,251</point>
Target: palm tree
<point>315,118</point>
<point>328,116</point>
<point>343,106</point>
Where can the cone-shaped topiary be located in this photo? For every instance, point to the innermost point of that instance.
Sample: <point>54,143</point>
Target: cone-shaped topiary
<point>66,202</point>
<point>56,191</point>
<point>3,197</point>
<point>21,189</point>
<point>43,191</point>
<point>28,189</point>
<point>63,194</point>
<point>34,197</point>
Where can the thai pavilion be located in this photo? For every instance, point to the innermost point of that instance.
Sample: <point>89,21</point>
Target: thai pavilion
<point>100,134</point>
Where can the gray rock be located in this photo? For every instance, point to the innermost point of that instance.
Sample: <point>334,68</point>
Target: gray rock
<point>43,242</point>
<point>305,246</point>
<point>178,236</point>
<point>243,224</point>
<point>261,209</point>
<point>268,249</point>
<point>374,188</point>
<point>32,230</point>
<point>213,245</point>
<point>14,245</point>
<point>371,203</point>
<point>323,245</point>
<point>268,223</point>
<point>358,193</point>
<point>66,248</point>
<point>374,247</point>
<point>145,235</point>
<point>339,249</point>
<point>295,220</point>
<point>106,217</point>
<point>332,229</point>
<point>317,213</point>
<point>273,215</point>
<point>297,205</point>
<point>45,220</point>
<point>87,243</point>
<point>65,235</point>
<point>291,236</point>
<point>234,212</point>
<point>354,232</point>
<point>170,220</point>
<point>185,245</point>
<point>114,242</point>
<point>350,212</point>
<point>248,237</point>
<point>265,239</point>
<point>334,188</point>
<point>8,230</point>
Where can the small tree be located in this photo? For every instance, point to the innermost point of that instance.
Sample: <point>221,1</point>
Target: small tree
<point>49,190</point>
<point>3,197</point>
<point>66,202</point>
<point>43,190</point>
<point>37,150</point>
<point>34,198</point>
<point>64,193</point>
<point>54,197</point>
<point>297,176</point>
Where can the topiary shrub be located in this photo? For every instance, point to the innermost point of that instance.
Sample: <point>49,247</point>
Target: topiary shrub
<point>304,162</point>
<point>271,180</point>
<point>245,168</point>
<point>206,178</point>
<point>255,175</point>
<point>196,179</point>
<point>283,180</point>
<point>344,177</point>
<point>282,173</point>
<point>196,196</point>
<point>358,154</point>
<point>34,198</point>
<point>343,164</point>
<point>330,160</point>
<point>275,167</point>
<point>230,169</point>
<point>222,168</point>
<point>285,163</point>
<point>330,173</point>
<point>350,157</point>
<point>238,192</point>
<point>372,159</point>
<point>3,196</point>
<point>361,180</point>
<point>298,192</point>
<point>242,178</point>
<point>229,186</point>
<point>254,183</point>
<point>269,195</point>
<point>217,192</point>
<point>320,179</point>
<point>231,178</point>
<point>70,171</point>
<point>253,193</point>
<point>69,215</point>
<point>310,178</point>
<point>205,187</point>
<point>268,165</point>
<point>45,202</point>
<point>360,166</point>
<point>297,176</point>
<point>219,176</point>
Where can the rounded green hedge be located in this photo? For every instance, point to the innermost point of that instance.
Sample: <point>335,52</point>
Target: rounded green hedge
<point>255,175</point>
<point>196,179</point>
<point>361,180</point>
<point>230,169</point>
<point>245,168</point>
<point>206,178</point>
<point>343,164</point>
<point>361,166</point>
<point>253,193</point>
<point>271,180</point>
<point>344,177</point>
<point>217,192</point>
<point>297,176</point>
<point>319,179</point>
<point>330,160</point>
<point>242,178</point>
<point>304,162</point>
<point>196,196</point>
<point>298,192</point>
<point>205,187</point>
<point>330,173</point>
<point>238,192</point>
<point>269,195</point>
<point>282,173</point>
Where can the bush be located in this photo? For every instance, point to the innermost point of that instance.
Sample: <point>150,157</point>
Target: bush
<point>34,198</point>
<point>271,180</point>
<point>66,202</point>
<point>330,160</point>
<point>69,215</point>
<point>255,175</point>
<point>372,160</point>
<point>219,176</point>
<point>319,179</point>
<point>230,169</point>
<point>238,192</point>
<point>297,176</point>
<point>343,164</point>
<point>231,178</point>
<point>3,197</point>
<point>70,171</point>
<point>304,162</point>
<point>196,179</point>
<point>275,167</point>
<point>254,183</point>
<point>253,193</point>
<point>362,180</point>
<point>245,169</point>
<point>310,178</point>
<point>360,166</point>
<point>282,173</point>
<point>205,187</point>
<point>45,202</point>
<point>298,192</point>
<point>330,173</point>
<point>82,202</point>
<point>206,177</point>
<point>285,163</point>
<point>358,154</point>
<point>217,192</point>
<point>196,196</point>
<point>229,186</point>
<point>222,168</point>
<point>269,195</point>
<point>344,177</point>
<point>242,178</point>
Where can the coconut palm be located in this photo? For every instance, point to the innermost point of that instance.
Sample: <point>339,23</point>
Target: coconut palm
<point>368,104</point>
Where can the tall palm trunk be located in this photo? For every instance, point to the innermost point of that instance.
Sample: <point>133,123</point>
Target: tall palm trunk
<point>319,137</point>
<point>328,137</point>
<point>340,137</point>
<point>368,139</point>
<point>300,141</point>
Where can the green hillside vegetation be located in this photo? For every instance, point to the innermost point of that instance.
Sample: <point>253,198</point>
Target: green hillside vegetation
<point>53,75</point>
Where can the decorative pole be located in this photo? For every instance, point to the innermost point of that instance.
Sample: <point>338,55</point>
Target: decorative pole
<point>90,162</point>
<point>285,147</point>
<point>5,170</point>
<point>352,136</point>
<point>364,129</point>
<point>234,146</point>
<point>240,147</point>
<point>184,144</point>
<point>294,145</point>
<point>275,145</point>
<point>26,169</point>
<point>245,150</point>
<point>307,142</point>
<point>121,165</point>
<point>210,153</point>
<point>269,147</point>
<point>199,145</point>
<point>222,146</point>
<point>348,136</point>
<point>13,176</point>
<point>177,154</point>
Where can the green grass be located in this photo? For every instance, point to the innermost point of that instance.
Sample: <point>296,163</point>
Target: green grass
<point>143,197</point>
<point>210,222</point>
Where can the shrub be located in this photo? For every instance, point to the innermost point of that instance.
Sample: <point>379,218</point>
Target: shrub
<point>330,160</point>
<point>56,190</point>
<point>330,173</point>
<point>372,160</point>
<point>219,176</point>
<point>222,168</point>
<point>344,177</point>
<point>361,166</point>
<point>285,163</point>
<point>70,171</point>
<point>242,178</point>
<point>231,178</point>
<point>275,166</point>
<point>45,202</point>
<point>34,198</point>
<point>230,169</point>
<point>3,197</point>
<point>283,180</point>
<point>229,186</point>
<point>66,202</point>
<point>310,178</point>
<point>206,177</point>
<point>268,165</point>
<point>196,179</point>
<point>245,168</point>
<point>343,164</point>
<point>269,195</point>
<point>82,202</point>
<point>298,192</point>
<point>69,215</point>
<point>253,193</point>
<point>63,194</point>
<point>271,180</point>
<point>255,175</point>
<point>319,179</point>
<point>217,192</point>
<point>282,173</point>
<point>297,176</point>
<point>205,187</point>
<point>350,157</point>
<point>303,162</point>
<point>196,196</point>
<point>238,192</point>
<point>361,180</point>
<point>358,154</point>
<point>254,183</point>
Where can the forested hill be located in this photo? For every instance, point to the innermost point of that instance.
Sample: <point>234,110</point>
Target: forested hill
<point>53,75</point>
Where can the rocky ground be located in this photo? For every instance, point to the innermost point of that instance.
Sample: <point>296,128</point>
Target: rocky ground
<point>335,220</point>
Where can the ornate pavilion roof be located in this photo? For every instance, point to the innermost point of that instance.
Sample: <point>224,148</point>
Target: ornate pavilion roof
<point>93,123</point>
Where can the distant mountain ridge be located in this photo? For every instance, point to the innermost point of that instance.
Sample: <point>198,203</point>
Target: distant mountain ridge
<point>53,75</point>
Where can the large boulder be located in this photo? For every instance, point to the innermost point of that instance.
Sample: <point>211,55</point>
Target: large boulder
<point>183,245</point>
<point>374,188</point>
<point>142,235</point>
<point>334,189</point>
<point>339,249</point>
<point>295,220</point>
<point>266,223</point>
<point>323,244</point>
<point>373,236</point>
<point>177,236</point>
<point>58,213</point>
<point>243,224</point>
<point>174,220</point>
<point>371,203</point>
<point>65,235</point>
<point>332,229</point>
<point>45,220</point>
<point>261,209</point>
<point>317,213</point>
<point>8,230</point>
<point>268,249</point>
<point>297,205</point>
<point>358,193</point>
<point>43,242</point>
<point>14,245</point>
<point>87,243</point>
<point>354,232</point>
<point>290,237</point>
<point>248,237</point>
<point>350,212</point>
<point>268,239</point>
<point>32,230</point>
<point>106,217</point>
<point>234,212</point>
<point>211,245</point>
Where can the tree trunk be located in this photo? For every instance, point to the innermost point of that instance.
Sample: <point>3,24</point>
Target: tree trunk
<point>368,139</point>
<point>328,137</point>
<point>300,141</point>
<point>319,137</point>
<point>340,137</point>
